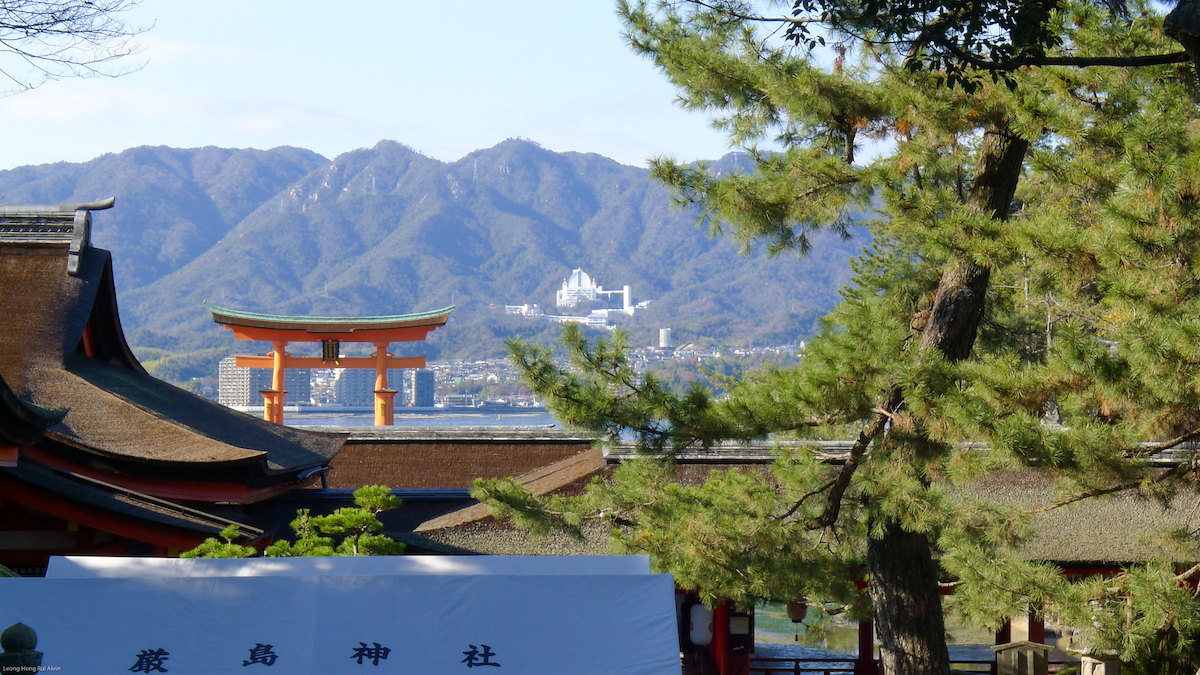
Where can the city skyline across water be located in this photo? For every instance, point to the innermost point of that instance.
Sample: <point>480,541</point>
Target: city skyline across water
<point>435,418</point>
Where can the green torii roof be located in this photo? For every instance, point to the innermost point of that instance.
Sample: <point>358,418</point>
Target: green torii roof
<point>328,324</point>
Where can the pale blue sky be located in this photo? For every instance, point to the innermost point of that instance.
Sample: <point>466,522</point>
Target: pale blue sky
<point>444,78</point>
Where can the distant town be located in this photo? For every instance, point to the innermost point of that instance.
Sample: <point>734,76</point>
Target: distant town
<point>489,383</point>
<point>462,383</point>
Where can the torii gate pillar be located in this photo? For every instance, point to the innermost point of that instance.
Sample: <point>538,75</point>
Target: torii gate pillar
<point>385,398</point>
<point>273,398</point>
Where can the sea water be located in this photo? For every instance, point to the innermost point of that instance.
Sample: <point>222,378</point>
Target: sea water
<point>438,417</point>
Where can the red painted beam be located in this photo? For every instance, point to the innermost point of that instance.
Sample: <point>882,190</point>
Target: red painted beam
<point>199,491</point>
<point>409,334</point>
<point>316,362</point>
<point>122,526</point>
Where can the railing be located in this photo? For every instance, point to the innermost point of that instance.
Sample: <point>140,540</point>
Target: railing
<point>802,666</point>
<point>842,666</point>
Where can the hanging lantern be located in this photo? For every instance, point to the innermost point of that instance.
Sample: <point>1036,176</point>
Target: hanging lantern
<point>797,610</point>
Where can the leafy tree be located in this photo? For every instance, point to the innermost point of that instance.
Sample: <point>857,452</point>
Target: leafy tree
<point>1031,283</point>
<point>45,40</point>
<point>348,531</point>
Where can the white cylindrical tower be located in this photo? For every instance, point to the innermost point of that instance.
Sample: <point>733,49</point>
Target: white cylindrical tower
<point>664,338</point>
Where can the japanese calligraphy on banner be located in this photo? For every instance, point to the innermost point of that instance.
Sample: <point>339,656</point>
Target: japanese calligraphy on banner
<point>614,623</point>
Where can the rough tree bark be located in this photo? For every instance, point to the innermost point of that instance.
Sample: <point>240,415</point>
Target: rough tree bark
<point>1183,26</point>
<point>908,606</point>
<point>901,564</point>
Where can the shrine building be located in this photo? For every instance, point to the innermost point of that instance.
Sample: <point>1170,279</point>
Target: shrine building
<point>96,455</point>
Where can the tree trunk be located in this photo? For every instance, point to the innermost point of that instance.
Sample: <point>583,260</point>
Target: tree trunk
<point>958,303</point>
<point>1183,25</point>
<point>908,606</point>
<point>902,567</point>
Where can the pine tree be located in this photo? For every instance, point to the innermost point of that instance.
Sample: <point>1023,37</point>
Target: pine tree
<point>1032,202</point>
<point>348,531</point>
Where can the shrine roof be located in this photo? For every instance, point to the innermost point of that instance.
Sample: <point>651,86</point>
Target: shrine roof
<point>1101,532</point>
<point>101,497</point>
<point>62,350</point>
<point>22,423</point>
<point>329,324</point>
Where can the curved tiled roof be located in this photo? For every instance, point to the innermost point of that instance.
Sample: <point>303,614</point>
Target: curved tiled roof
<point>117,415</point>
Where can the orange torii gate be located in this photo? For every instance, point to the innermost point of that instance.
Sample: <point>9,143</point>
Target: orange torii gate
<point>330,331</point>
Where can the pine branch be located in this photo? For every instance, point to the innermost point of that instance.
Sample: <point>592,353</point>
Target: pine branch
<point>800,502</point>
<point>833,501</point>
<point>1173,443</point>
<point>981,63</point>
<point>1191,574</point>
<point>732,13</point>
<point>1174,472</point>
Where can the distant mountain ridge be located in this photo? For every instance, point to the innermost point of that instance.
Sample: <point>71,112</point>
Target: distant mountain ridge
<point>387,230</point>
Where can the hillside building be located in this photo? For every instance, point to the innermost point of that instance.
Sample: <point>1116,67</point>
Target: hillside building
<point>524,310</point>
<point>579,287</point>
<point>596,319</point>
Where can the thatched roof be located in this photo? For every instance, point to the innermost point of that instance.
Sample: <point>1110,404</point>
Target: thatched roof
<point>1102,531</point>
<point>424,458</point>
<point>1097,532</point>
<point>61,347</point>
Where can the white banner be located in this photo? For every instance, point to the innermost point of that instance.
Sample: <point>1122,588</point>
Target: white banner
<point>561,624</point>
<point>90,567</point>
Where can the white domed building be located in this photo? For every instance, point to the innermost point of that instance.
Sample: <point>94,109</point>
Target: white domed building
<point>579,287</point>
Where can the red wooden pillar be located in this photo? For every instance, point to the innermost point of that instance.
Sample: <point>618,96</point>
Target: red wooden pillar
<point>865,663</point>
<point>278,354</point>
<point>730,649</point>
<point>1037,627</point>
<point>719,647</point>
<point>89,341</point>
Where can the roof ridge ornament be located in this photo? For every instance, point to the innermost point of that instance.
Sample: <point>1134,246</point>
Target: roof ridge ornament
<point>52,224</point>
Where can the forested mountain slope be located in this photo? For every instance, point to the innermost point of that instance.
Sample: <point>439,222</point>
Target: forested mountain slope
<point>387,230</point>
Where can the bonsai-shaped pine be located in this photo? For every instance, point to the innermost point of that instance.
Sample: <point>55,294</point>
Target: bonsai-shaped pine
<point>351,530</point>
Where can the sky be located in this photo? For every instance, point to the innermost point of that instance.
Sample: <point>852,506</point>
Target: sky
<point>442,78</point>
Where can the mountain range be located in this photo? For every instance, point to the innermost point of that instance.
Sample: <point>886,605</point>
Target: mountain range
<point>387,230</point>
